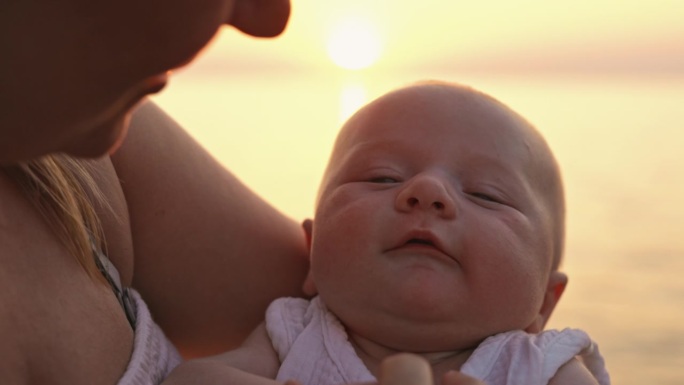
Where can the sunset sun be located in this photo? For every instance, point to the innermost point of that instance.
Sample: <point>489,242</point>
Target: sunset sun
<point>354,44</point>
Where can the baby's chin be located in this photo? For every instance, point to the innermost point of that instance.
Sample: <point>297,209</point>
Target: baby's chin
<point>395,336</point>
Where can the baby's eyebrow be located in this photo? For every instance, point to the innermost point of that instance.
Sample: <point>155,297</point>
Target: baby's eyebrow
<point>511,180</point>
<point>377,150</point>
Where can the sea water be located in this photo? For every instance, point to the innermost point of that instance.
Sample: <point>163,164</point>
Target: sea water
<point>619,140</point>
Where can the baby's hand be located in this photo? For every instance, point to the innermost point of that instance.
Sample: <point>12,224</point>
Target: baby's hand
<point>410,369</point>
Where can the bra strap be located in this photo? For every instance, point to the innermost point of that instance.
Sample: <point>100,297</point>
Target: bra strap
<point>112,276</point>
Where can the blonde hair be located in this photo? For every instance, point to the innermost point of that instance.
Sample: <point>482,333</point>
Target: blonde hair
<point>63,190</point>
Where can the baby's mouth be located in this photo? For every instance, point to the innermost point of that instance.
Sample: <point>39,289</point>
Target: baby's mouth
<point>418,241</point>
<point>421,245</point>
<point>424,243</point>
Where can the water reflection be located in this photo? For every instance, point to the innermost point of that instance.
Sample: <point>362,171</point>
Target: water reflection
<point>618,141</point>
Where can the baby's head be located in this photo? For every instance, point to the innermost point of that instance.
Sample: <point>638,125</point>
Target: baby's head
<point>439,222</point>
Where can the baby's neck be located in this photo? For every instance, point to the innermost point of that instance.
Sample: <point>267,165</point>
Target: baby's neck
<point>372,353</point>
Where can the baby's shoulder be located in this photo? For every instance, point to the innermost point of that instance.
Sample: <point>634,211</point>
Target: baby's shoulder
<point>542,354</point>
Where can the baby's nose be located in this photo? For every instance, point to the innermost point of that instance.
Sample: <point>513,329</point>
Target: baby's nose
<point>426,192</point>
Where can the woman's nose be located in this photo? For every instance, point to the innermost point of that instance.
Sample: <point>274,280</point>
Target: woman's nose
<point>264,18</point>
<point>429,193</point>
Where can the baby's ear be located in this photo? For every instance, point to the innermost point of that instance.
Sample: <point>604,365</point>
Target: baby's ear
<point>309,287</point>
<point>555,288</point>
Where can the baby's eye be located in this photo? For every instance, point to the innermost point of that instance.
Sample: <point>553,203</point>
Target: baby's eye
<point>383,179</point>
<point>485,197</point>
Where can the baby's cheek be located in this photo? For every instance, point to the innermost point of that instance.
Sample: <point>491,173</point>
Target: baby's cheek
<point>518,293</point>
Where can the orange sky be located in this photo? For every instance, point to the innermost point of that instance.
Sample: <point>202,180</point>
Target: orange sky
<point>488,35</point>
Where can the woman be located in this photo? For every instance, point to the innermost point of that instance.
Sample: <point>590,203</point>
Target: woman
<point>205,252</point>
<point>71,73</point>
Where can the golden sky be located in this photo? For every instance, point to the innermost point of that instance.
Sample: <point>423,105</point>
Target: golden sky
<point>487,35</point>
<point>269,110</point>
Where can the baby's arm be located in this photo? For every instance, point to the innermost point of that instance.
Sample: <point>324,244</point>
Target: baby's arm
<point>573,373</point>
<point>254,363</point>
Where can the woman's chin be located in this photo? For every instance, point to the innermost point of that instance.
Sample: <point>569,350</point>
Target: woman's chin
<point>102,141</point>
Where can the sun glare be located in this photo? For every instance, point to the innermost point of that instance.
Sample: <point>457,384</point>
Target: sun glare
<point>354,44</point>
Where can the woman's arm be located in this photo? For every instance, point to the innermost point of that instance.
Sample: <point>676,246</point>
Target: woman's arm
<point>254,363</point>
<point>209,253</point>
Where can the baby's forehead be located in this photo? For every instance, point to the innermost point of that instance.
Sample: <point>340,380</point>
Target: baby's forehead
<point>460,114</point>
<point>437,109</point>
<point>447,95</point>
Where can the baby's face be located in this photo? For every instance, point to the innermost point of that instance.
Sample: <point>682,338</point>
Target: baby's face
<point>434,224</point>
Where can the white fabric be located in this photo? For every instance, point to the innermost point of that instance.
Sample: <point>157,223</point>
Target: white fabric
<point>153,354</point>
<point>312,344</point>
<point>521,358</point>
<point>314,349</point>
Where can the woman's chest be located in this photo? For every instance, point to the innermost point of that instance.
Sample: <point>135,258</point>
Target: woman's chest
<point>58,324</point>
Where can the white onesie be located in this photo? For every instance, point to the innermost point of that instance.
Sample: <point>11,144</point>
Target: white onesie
<point>313,349</point>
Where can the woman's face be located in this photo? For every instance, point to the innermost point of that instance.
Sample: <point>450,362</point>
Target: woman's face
<point>72,70</point>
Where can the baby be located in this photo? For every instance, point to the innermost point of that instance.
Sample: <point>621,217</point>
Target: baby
<point>438,231</point>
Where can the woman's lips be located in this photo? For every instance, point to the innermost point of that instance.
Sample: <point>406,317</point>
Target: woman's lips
<point>150,85</point>
<point>156,83</point>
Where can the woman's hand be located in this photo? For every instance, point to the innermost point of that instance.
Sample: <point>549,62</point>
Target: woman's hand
<point>455,377</point>
<point>410,369</point>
